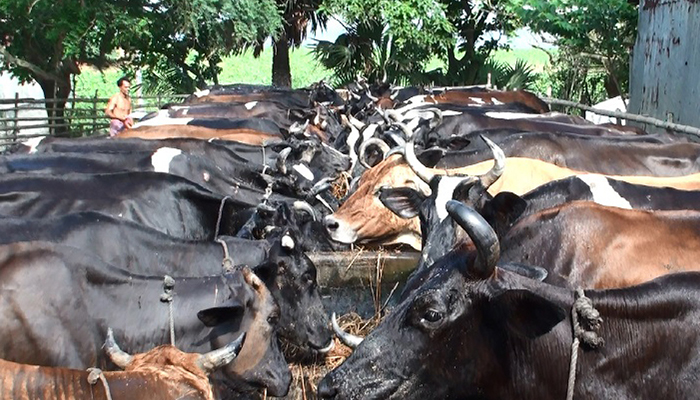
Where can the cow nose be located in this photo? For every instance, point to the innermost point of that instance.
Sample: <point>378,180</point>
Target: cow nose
<point>326,390</point>
<point>331,223</point>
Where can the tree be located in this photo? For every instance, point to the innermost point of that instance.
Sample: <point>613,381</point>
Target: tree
<point>48,41</point>
<point>386,39</point>
<point>181,42</point>
<point>591,34</point>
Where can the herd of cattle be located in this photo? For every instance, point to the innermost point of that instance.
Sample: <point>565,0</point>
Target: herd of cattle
<point>536,230</point>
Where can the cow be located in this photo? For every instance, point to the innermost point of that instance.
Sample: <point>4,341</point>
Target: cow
<point>591,154</point>
<point>162,373</point>
<point>363,218</point>
<point>81,296</point>
<point>476,331</point>
<point>248,136</point>
<point>279,262</point>
<point>476,98</point>
<point>165,202</point>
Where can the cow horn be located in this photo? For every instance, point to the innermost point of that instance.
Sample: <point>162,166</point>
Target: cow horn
<point>383,147</point>
<point>481,233</point>
<point>304,206</point>
<point>282,160</point>
<point>119,357</point>
<point>348,339</point>
<point>499,164</point>
<point>215,359</point>
<point>375,99</point>
<point>423,172</point>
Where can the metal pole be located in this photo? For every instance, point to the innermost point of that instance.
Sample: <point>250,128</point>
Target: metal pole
<point>94,112</point>
<point>15,132</point>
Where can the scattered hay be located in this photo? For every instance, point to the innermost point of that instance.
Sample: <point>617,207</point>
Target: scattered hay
<point>341,186</point>
<point>306,376</point>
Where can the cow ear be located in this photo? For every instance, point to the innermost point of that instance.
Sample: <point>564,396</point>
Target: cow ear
<point>505,208</point>
<point>525,313</point>
<point>218,315</point>
<point>431,157</point>
<point>528,271</point>
<point>404,202</point>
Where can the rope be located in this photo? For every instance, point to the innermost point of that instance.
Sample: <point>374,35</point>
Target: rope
<point>227,262</point>
<point>264,160</point>
<point>584,331</point>
<point>167,297</point>
<point>95,374</point>
<point>221,212</point>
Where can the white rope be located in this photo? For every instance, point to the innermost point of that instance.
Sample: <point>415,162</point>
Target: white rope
<point>95,374</point>
<point>221,211</point>
<point>227,262</point>
<point>591,321</point>
<point>167,297</point>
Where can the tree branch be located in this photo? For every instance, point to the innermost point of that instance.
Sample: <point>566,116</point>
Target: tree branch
<point>27,65</point>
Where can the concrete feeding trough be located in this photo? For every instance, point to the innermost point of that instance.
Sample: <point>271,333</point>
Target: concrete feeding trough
<point>361,281</point>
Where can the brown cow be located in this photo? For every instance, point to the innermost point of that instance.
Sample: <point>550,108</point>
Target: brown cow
<point>247,136</point>
<point>584,244</point>
<point>363,218</point>
<point>162,373</point>
<point>490,97</point>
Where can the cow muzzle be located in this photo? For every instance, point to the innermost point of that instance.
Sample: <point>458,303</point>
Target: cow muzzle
<point>339,230</point>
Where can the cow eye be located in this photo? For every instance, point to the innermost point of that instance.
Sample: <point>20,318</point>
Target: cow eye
<point>432,316</point>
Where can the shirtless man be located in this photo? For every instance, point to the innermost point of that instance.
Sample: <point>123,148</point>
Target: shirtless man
<point>119,108</point>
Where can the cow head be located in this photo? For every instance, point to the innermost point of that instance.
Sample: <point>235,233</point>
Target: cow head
<point>291,278</point>
<point>260,363</point>
<point>449,339</point>
<point>365,218</point>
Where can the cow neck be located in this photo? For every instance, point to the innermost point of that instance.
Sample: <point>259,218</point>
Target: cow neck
<point>141,320</point>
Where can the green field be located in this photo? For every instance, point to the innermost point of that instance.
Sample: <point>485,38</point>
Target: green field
<point>248,69</point>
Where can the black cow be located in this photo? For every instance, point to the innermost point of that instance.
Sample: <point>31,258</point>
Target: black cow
<point>473,331</point>
<point>57,303</point>
<point>605,155</point>
<point>279,262</point>
<point>165,202</point>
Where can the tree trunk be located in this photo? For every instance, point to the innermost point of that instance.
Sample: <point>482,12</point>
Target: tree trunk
<point>56,107</point>
<point>281,71</point>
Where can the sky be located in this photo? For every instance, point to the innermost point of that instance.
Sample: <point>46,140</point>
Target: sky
<point>522,39</point>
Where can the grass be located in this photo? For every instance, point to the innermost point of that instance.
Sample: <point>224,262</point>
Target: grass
<point>245,68</point>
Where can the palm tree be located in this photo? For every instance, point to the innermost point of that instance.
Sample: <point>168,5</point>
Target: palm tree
<point>296,15</point>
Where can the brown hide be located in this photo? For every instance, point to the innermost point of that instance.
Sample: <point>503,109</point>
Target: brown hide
<point>247,136</point>
<point>163,373</point>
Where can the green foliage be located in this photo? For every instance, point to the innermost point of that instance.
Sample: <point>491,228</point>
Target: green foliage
<point>595,37</point>
<point>385,38</point>
<point>519,75</point>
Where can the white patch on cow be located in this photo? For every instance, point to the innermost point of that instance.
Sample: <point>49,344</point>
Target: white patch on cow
<point>33,143</point>
<point>603,193</point>
<point>249,105</point>
<point>416,99</point>
<point>185,111</point>
<point>510,115</point>
<point>206,176</point>
<point>477,100</point>
<point>304,171</point>
<point>202,93</point>
<point>162,158</point>
<point>445,190</point>
<point>495,101</point>
<point>410,239</point>
<point>287,242</point>
<point>427,114</point>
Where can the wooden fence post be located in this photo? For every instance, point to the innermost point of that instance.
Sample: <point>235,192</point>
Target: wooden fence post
<point>94,113</point>
<point>15,132</point>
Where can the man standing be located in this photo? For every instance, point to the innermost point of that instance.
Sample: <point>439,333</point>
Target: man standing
<point>119,108</point>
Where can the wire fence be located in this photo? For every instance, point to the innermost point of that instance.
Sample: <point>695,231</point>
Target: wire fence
<point>24,118</point>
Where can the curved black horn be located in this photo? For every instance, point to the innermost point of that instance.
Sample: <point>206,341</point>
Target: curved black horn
<point>215,359</point>
<point>348,339</point>
<point>304,206</point>
<point>383,147</point>
<point>119,357</point>
<point>481,233</point>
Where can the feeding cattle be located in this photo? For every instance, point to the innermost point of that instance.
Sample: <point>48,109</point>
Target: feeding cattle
<point>82,296</point>
<point>475,331</point>
<point>162,373</point>
<point>363,218</point>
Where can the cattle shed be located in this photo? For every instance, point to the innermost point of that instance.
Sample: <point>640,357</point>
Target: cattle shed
<point>664,80</point>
